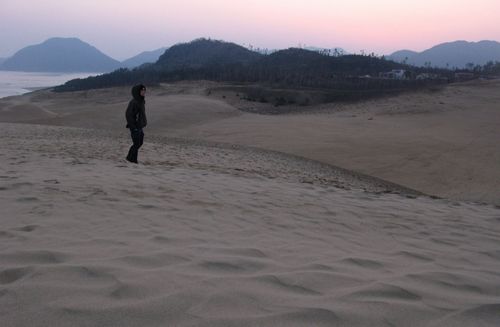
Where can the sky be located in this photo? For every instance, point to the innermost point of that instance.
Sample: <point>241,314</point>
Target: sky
<point>124,28</point>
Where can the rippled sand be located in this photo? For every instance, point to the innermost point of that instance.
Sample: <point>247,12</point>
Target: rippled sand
<point>206,234</point>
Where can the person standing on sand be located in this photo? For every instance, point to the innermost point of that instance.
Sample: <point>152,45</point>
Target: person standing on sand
<point>136,120</point>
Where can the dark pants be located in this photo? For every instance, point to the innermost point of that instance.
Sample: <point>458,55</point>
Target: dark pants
<point>138,139</point>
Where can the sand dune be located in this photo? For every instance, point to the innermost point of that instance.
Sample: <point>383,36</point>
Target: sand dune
<point>213,228</point>
<point>445,143</point>
<point>213,235</point>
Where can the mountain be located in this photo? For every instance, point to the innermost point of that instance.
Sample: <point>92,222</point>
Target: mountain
<point>2,60</point>
<point>303,64</point>
<point>403,55</point>
<point>294,58</point>
<point>204,52</point>
<point>142,58</point>
<point>453,54</point>
<point>204,59</point>
<point>60,55</point>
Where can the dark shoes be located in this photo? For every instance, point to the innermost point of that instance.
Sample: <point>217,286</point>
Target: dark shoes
<point>132,161</point>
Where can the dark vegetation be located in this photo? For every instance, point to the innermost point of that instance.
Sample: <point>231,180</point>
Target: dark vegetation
<point>490,69</point>
<point>292,76</point>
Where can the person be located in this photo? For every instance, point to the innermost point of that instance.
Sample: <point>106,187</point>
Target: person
<point>136,120</point>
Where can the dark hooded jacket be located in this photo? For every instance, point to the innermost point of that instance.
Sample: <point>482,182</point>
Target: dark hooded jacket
<point>136,110</point>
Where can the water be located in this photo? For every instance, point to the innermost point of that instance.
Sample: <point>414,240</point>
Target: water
<point>16,83</point>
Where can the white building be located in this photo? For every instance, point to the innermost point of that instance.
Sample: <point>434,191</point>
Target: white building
<point>394,74</point>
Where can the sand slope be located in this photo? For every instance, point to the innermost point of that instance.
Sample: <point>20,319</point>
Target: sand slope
<point>444,142</point>
<point>208,235</point>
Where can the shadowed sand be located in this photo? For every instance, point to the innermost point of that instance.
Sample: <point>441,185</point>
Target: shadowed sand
<point>209,234</point>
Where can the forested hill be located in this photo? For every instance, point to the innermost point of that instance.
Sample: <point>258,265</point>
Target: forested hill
<point>229,62</point>
<point>302,61</point>
<point>203,52</point>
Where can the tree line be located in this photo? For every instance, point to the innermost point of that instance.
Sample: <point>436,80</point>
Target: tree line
<point>291,68</point>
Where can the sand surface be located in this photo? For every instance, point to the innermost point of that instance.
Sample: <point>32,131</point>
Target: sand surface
<point>209,234</point>
<point>445,143</point>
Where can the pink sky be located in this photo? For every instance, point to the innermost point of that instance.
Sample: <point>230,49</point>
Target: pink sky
<point>123,28</point>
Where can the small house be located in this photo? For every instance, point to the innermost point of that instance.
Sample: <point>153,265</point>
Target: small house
<point>395,74</point>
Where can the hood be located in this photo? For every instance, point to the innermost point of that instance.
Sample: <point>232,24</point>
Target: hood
<point>136,92</point>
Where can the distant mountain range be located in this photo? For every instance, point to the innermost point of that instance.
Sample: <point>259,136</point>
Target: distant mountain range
<point>143,57</point>
<point>453,54</point>
<point>70,55</point>
<point>74,55</point>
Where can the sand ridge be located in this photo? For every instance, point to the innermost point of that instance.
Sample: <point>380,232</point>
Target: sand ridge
<point>174,152</point>
<point>443,142</point>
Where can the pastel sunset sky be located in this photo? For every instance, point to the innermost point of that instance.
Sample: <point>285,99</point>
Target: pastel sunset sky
<point>123,28</point>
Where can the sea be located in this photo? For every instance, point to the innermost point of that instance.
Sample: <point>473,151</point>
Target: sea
<point>17,83</point>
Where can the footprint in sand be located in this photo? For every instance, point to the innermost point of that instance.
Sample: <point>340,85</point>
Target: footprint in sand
<point>27,228</point>
<point>4,234</point>
<point>51,181</point>
<point>11,275</point>
<point>28,199</point>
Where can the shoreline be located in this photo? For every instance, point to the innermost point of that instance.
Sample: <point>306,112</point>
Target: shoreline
<point>17,83</point>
